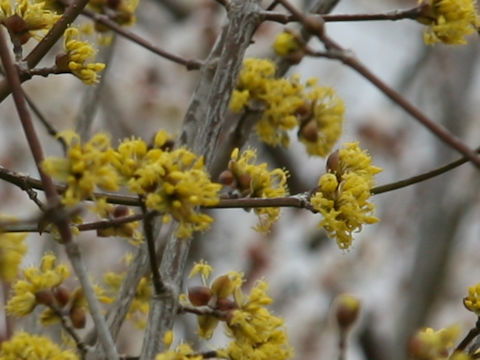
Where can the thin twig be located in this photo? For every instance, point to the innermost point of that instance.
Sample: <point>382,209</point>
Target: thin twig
<point>189,64</point>
<point>394,15</point>
<point>67,326</point>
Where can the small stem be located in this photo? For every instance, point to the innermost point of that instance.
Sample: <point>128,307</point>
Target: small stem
<point>70,330</point>
<point>148,230</point>
<point>104,20</point>
<point>472,334</point>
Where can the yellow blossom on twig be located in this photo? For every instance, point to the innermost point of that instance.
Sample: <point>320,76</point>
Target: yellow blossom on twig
<point>78,57</point>
<point>12,249</point>
<point>256,181</point>
<point>343,193</point>
<point>33,347</point>
<point>449,21</point>
<point>46,277</point>
<point>428,344</point>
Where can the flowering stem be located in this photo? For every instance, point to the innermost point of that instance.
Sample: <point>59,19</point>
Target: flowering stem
<point>62,222</point>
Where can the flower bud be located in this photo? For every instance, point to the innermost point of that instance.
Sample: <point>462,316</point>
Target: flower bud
<point>347,308</point>
<point>78,317</point>
<point>333,162</point>
<point>16,24</point>
<point>120,211</point>
<point>62,295</point>
<point>226,178</point>
<point>199,295</point>
<point>225,304</point>
<point>61,61</point>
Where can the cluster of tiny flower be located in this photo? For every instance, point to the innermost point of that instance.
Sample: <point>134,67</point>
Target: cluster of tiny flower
<point>343,193</point>
<point>255,181</point>
<point>449,21</point>
<point>428,344</point>
<point>286,104</point>
<point>255,332</point>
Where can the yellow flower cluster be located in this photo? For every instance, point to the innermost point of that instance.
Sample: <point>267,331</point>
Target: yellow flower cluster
<point>285,43</point>
<point>449,21</point>
<point>428,344</point>
<point>25,19</point>
<point>472,301</point>
<point>286,104</point>
<point>33,347</point>
<point>86,167</point>
<point>181,352</point>
<point>78,57</point>
<point>12,249</point>
<point>173,182</point>
<point>140,304</point>
<point>255,332</point>
<point>27,293</point>
<point>256,181</point>
<point>120,11</point>
<point>343,193</point>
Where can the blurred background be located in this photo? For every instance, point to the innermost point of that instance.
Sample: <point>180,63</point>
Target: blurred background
<point>410,270</point>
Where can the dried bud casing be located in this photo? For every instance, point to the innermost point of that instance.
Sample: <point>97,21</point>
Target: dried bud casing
<point>310,131</point>
<point>199,295</point>
<point>226,178</point>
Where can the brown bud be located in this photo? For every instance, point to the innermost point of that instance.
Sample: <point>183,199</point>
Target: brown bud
<point>62,295</point>
<point>347,309</point>
<point>44,297</point>
<point>244,181</point>
<point>120,211</point>
<point>78,317</point>
<point>314,25</point>
<point>310,131</point>
<point>225,304</point>
<point>199,295</point>
<point>226,178</point>
<point>61,61</point>
<point>16,24</point>
<point>113,4</point>
<point>333,162</point>
<point>296,56</point>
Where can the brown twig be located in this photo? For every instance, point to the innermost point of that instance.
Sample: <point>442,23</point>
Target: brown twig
<point>395,15</point>
<point>189,64</point>
<point>67,326</point>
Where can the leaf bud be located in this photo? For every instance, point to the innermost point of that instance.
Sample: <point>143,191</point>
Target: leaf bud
<point>199,295</point>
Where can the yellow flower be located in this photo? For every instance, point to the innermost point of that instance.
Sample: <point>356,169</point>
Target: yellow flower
<point>86,167</point>
<point>322,124</point>
<point>32,347</point>
<point>285,104</point>
<point>48,276</point>
<point>12,249</point>
<point>449,21</point>
<point>256,181</point>
<point>285,43</point>
<point>472,301</point>
<point>25,19</point>
<point>202,268</point>
<point>342,196</point>
<point>79,55</point>
<point>428,344</point>
<point>256,333</point>
<point>181,352</point>
<point>121,11</point>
